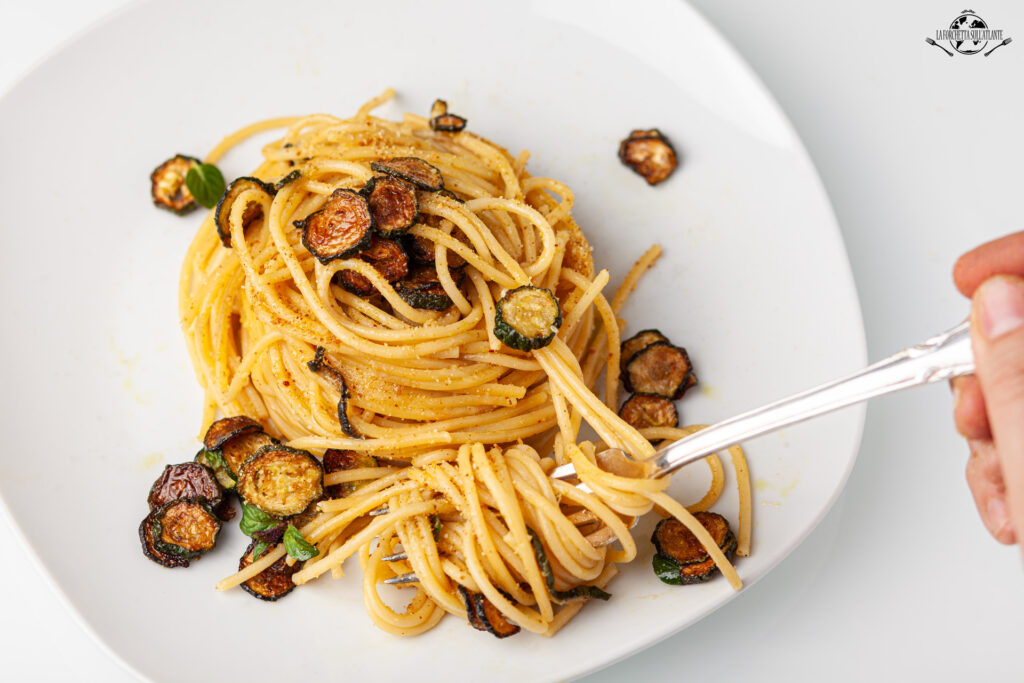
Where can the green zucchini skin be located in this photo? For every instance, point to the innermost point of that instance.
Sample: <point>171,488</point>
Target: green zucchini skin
<point>223,210</point>
<point>172,548</point>
<point>182,201</point>
<point>290,178</point>
<point>320,366</point>
<point>516,339</point>
<point>251,494</point>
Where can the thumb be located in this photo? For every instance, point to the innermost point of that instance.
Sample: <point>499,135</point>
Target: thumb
<point>997,335</point>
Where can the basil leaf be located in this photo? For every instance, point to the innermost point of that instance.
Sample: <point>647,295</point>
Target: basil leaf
<point>666,569</point>
<point>297,546</point>
<point>255,520</point>
<point>206,184</point>
<point>437,527</point>
<point>260,548</point>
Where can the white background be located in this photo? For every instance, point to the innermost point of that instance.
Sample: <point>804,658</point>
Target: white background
<point>922,156</point>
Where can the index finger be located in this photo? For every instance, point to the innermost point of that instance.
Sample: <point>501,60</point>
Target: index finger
<point>1003,256</point>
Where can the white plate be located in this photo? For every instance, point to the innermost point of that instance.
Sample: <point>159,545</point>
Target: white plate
<point>100,393</point>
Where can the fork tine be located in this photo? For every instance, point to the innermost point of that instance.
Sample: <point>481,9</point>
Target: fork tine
<point>402,578</point>
<point>382,510</point>
<point>395,557</point>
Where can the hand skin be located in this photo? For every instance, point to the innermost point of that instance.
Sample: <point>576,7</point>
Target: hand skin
<point>989,406</point>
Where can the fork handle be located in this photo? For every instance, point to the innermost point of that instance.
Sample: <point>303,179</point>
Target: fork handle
<point>939,358</point>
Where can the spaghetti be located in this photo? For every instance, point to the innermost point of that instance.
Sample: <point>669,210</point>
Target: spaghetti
<point>465,428</point>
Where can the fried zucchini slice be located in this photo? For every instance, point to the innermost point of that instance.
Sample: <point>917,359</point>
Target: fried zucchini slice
<point>252,212</point>
<point>660,369</point>
<point>527,318</point>
<point>185,480</point>
<point>422,288</point>
<point>150,550</point>
<point>412,170</point>
<point>240,448</point>
<point>393,204</point>
<point>422,250</point>
<point>680,558</point>
<point>281,481</point>
<point>386,256</point>
<point>648,410</point>
<point>638,342</point>
<point>167,185</point>
<point>470,605</point>
<point>337,460</point>
<point>185,528</point>
<point>650,154</point>
<point>441,120</point>
<point>492,619</point>
<point>340,229</point>
<point>320,366</point>
<point>274,582</point>
<point>227,427</point>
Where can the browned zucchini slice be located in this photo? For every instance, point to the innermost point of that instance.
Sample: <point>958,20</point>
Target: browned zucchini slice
<point>320,366</point>
<point>660,369</point>
<point>150,550</point>
<point>650,154</point>
<point>441,120</point>
<point>393,204</point>
<point>186,480</point>
<point>238,449</point>
<point>340,229</point>
<point>252,212</point>
<point>638,342</point>
<point>186,528</point>
<point>647,410</point>
<point>680,558</point>
<point>422,289</point>
<point>386,256</point>
<point>274,582</point>
<point>468,600</point>
<point>227,427</point>
<point>337,460</point>
<point>281,481</point>
<point>412,170</point>
<point>492,619</point>
<point>168,184</point>
<point>422,250</point>
<point>527,318</point>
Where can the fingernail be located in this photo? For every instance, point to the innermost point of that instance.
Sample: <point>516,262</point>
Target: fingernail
<point>998,516</point>
<point>1001,303</point>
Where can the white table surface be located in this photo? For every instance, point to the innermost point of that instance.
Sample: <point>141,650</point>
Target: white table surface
<point>922,156</point>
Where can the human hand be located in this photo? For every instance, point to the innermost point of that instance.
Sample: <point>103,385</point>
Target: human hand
<point>989,406</point>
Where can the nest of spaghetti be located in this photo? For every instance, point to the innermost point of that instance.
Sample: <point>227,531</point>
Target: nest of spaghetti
<point>345,298</point>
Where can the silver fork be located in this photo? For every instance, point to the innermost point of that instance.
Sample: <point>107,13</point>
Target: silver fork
<point>936,359</point>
